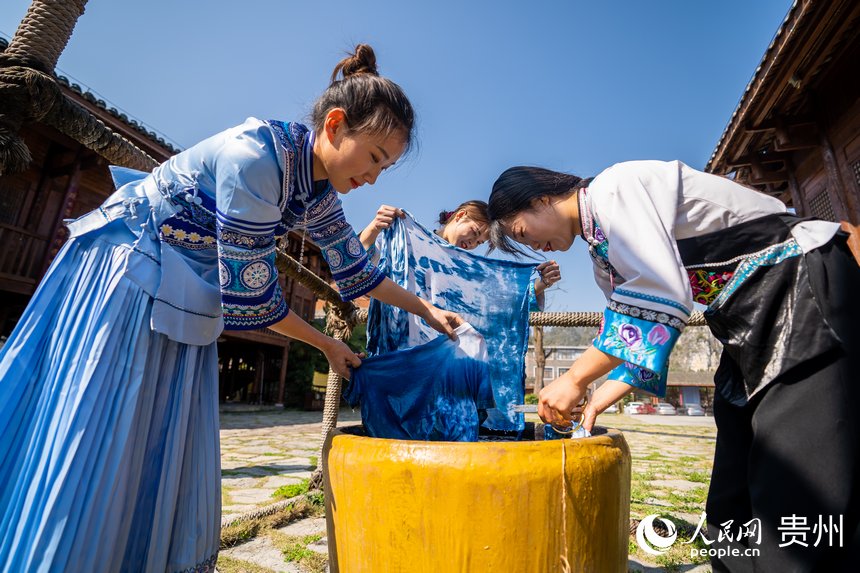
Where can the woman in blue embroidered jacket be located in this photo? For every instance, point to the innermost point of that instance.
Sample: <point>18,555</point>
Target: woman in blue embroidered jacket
<point>109,454</point>
<point>781,296</point>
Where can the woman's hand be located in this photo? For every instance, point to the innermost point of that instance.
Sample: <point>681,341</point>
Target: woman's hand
<point>341,357</point>
<point>443,321</point>
<point>609,393</point>
<point>560,400</point>
<point>385,216</point>
<point>550,273</point>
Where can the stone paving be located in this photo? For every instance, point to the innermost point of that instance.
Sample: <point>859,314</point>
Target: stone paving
<point>262,451</point>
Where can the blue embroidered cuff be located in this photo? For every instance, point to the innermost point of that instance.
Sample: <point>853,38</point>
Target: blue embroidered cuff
<point>644,345</point>
<point>245,315</point>
<point>360,283</point>
<point>641,378</point>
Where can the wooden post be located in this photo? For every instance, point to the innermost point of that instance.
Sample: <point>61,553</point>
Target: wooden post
<point>801,207</point>
<point>70,194</point>
<point>540,359</point>
<point>282,381</point>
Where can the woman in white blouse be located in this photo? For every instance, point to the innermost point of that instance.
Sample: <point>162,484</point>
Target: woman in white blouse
<point>780,293</point>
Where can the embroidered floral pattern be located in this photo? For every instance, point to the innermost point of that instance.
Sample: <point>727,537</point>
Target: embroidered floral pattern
<point>334,258</point>
<point>706,285</point>
<point>643,344</point>
<point>224,277</point>
<point>658,335</point>
<point>176,234</point>
<point>256,275</point>
<point>646,314</point>
<point>769,256</point>
<point>639,377</point>
<point>243,240</point>
<point>353,247</point>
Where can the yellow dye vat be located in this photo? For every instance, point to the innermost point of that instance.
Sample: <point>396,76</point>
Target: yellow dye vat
<point>442,507</point>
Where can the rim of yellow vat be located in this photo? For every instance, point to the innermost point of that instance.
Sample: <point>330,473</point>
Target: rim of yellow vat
<point>405,505</point>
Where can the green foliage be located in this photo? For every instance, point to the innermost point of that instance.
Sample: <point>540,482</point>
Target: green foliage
<point>291,490</point>
<point>317,501</point>
<point>531,399</point>
<point>691,501</point>
<point>228,564</point>
<point>700,477</point>
<point>295,550</point>
<point>241,531</point>
<point>303,361</point>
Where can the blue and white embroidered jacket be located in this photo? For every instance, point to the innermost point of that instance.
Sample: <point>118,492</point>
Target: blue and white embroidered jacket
<point>208,220</point>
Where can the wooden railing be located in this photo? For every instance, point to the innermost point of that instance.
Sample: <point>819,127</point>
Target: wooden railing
<point>21,254</point>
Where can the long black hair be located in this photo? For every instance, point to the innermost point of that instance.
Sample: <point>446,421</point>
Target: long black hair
<point>514,191</point>
<point>373,104</point>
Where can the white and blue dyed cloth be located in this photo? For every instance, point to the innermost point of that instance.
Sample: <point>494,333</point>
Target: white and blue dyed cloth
<point>494,296</point>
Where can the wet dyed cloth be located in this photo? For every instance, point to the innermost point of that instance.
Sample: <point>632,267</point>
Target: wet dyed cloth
<point>493,295</point>
<point>109,455</point>
<point>437,391</point>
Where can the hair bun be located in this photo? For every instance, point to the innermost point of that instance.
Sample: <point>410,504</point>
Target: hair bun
<point>362,61</point>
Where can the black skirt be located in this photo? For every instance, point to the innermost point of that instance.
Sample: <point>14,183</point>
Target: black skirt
<point>786,309</point>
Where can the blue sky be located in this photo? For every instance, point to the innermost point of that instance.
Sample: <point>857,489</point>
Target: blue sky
<point>570,85</point>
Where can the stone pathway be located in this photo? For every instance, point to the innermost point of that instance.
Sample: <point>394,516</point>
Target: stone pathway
<point>264,450</point>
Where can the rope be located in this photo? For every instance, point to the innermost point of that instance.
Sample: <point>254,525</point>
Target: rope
<point>565,319</point>
<point>44,32</point>
<point>589,319</point>
<point>266,510</point>
<point>341,318</point>
<point>79,124</point>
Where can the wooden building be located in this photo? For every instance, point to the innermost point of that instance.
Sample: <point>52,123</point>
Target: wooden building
<point>66,180</point>
<point>795,133</point>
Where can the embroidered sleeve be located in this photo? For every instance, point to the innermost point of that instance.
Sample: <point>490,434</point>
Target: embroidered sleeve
<point>641,378</point>
<point>351,268</point>
<point>636,204</point>
<point>248,189</point>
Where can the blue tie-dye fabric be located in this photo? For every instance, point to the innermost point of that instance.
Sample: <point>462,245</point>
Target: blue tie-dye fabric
<point>492,295</point>
<point>438,391</point>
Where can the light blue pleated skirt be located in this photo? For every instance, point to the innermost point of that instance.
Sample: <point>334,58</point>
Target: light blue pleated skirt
<point>109,452</point>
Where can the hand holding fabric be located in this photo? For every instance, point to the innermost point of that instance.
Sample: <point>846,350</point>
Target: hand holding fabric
<point>385,216</point>
<point>341,357</point>
<point>550,273</point>
<point>443,321</point>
